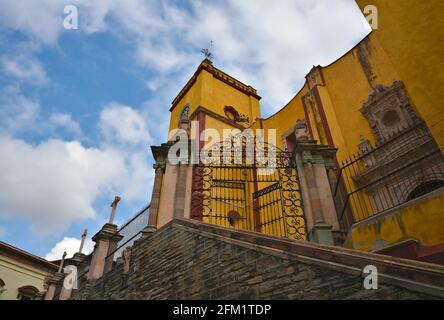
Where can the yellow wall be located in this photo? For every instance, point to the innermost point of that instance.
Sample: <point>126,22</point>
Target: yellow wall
<point>406,47</point>
<point>193,97</point>
<point>286,118</point>
<point>347,88</point>
<point>16,274</point>
<point>210,92</point>
<point>411,34</point>
<point>422,221</point>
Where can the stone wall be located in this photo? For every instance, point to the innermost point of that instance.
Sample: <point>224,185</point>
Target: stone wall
<point>193,260</point>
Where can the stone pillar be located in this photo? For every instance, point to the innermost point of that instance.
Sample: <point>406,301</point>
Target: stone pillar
<point>168,196</point>
<point>155,195</point>
<point>313,162</point>
<point>188,191</point>
<point>53,282</point>
<point>66,293</point>
<point>179,204</point>
<point>160,155</point>
<point>174,193</point>
<point>106,241</point>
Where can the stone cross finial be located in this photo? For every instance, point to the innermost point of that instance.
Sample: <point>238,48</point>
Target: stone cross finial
<point>113,210</point>
<point>62,262</point>
<point>82,242</point>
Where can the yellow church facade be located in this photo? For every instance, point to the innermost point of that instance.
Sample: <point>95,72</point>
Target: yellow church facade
<point>358,149</point>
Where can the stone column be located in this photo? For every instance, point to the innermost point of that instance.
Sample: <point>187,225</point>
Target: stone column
<point>174,194</point>
<point>155,195</point>
<point>313,161</point>
<point>106,242</point>
<point>75,261</point>
<point>168,196</point>
<point>179,205</point>
<point>53,282</point>
<point>160,155</point>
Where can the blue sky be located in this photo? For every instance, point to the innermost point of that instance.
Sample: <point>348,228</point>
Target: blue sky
<point>80,108</point>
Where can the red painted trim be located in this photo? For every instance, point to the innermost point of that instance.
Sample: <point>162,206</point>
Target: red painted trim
<point>414,251</point>
<point>256,211</point>
<point>217,117</point>
<point>201,120</point>
<point>310,131</point>
<point>219,75</point>
<point>323,117</point>
<point>322,76</point>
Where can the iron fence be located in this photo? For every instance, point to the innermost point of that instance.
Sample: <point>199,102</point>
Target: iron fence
<point>260,195</point>
<point>405,167</point>
<point>131,231</point>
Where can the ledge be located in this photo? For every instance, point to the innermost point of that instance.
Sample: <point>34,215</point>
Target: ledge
<point>413,275</point>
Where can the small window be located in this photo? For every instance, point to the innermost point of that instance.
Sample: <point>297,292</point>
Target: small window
<point>27,293</point>
<point>2,286</point>
<point>390,118</point>
<point>184,114</point>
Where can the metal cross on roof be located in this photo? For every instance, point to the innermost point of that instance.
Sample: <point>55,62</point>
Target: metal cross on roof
<point>207,52</point>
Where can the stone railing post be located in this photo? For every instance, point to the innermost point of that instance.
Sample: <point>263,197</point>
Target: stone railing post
<point>172,186</point>
<point>53,282</point>
<point>106,242</point>
<point>313,162</point>
<point>75,261</point>
<point>160,154</point>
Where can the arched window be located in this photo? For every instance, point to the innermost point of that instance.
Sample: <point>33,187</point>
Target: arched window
<point>27,293</point>
<point>2,286</point>
<point>424,188</point>
<point>184,114</point>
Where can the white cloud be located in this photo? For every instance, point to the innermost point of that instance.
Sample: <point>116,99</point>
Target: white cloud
<point>17,112</point>
<point>71,246</point>
<point>270,45</point>
<point>41,20</point>
<point>65,121</point>
<point>120,124</point>
<point>56,182</point>
<point>24,68</point>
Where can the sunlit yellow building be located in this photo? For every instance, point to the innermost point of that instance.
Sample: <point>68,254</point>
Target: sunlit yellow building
<point>22,275</point>
<point>359,146</point>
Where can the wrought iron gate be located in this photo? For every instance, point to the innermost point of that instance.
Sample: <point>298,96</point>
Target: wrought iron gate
<point>254,197</point>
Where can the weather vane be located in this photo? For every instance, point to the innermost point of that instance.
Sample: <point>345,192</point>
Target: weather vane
<point>207,52</point>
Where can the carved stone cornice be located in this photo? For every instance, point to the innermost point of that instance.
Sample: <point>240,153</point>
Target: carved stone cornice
<point>207,65</point>
<point>309,151</point>
<point>107,232</point>
<point>217,116</point>
<point>55,278</point>
<point>77,258</point>
<point>160,154</point>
